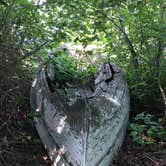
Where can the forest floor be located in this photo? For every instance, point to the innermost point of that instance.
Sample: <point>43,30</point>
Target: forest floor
<point>21,145</point>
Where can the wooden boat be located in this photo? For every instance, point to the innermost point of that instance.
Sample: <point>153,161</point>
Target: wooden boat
<point>87,129</point>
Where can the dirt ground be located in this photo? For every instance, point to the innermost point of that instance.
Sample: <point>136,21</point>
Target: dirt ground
<point>20,144</point>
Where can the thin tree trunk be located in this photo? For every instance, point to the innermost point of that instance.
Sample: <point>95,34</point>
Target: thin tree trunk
<point>164,101</point>
<point>134,55</point>
<point>132,50</point>
<point>160,45</point>
<point>158,59</point>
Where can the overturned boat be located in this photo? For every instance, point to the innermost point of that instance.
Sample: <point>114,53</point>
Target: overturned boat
<point>85,126</point>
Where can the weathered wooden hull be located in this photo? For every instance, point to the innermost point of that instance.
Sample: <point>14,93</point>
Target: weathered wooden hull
<point>89,129</point>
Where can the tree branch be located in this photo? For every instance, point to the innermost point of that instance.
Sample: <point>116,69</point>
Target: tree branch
<point>129,44</point>
<point>26,55</point>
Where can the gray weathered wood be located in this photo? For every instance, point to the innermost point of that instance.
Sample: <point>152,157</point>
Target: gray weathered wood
<point>83,128</point>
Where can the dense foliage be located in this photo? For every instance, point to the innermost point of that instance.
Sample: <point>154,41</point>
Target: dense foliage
<point>130,32</point>
<point>146,130</point>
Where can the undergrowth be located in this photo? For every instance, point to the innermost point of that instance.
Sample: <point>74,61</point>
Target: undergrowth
<point>147,129</point>
<point>70,70</point>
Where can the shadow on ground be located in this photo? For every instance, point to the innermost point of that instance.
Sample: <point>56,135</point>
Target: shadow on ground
<point>19,142</point>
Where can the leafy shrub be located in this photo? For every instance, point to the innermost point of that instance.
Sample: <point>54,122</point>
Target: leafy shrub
<point>146,130</point>
<point>69,69</point>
